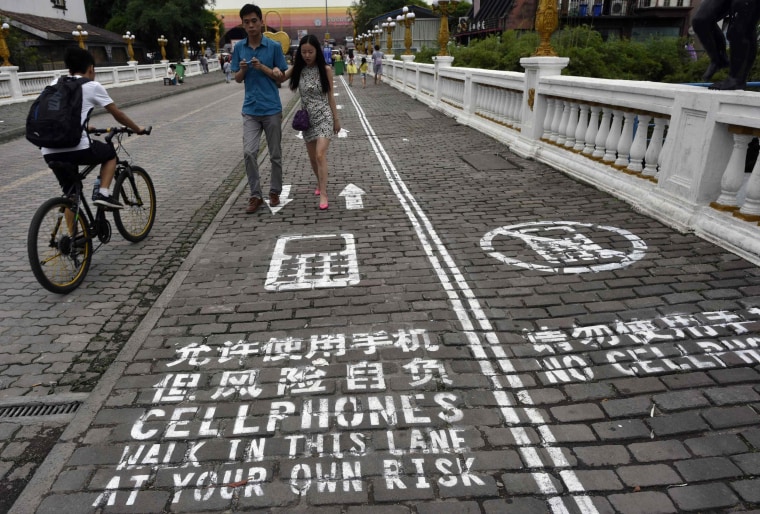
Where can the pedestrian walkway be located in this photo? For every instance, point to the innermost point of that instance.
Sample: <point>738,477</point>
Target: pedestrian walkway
<point>462,331</point>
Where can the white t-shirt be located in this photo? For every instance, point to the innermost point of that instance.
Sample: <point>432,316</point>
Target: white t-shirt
<point>93,95</point>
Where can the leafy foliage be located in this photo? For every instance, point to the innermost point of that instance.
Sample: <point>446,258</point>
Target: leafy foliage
<point>656,59</point>
<point>366,10</point>
<point>149,19</point>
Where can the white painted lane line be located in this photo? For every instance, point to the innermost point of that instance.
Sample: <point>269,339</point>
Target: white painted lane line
<point>454,287</point>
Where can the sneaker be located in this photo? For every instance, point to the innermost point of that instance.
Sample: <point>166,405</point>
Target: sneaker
<point>253,204</point>
<point>106,201</point>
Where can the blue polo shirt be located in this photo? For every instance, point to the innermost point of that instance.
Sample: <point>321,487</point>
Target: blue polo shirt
<point>262,97</point>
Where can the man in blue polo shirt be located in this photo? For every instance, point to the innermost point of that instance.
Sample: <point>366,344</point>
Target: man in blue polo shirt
<point>259,62</point>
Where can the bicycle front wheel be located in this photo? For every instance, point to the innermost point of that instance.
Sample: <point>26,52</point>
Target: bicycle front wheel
<point>59,246</point>
<point>138,195</point>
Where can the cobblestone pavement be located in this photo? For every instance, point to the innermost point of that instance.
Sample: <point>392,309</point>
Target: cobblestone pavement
<point>462,331</point>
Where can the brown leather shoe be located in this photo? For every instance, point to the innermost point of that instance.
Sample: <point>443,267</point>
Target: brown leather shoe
<point>253,204</point>
<point>274,199</point>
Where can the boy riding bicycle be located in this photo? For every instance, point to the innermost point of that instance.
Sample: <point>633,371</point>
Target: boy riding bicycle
<point>80,63</point>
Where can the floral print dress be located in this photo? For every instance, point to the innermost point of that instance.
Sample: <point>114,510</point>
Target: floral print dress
<point>317,103</point>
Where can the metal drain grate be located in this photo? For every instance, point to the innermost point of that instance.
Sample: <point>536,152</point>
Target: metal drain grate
<point>24,411</point>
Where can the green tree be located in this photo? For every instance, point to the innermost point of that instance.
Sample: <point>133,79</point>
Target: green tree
<point>149,19</point>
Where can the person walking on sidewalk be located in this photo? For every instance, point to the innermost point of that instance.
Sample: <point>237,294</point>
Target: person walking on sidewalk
<point>259,62</point>
<point>351,67</point>
<point>81,64</point>
<point>377,63</point>
<point>313,79</point>
<point>363,68</point>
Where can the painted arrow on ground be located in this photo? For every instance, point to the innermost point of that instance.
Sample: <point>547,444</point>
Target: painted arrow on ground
<point>284,200</point>
<point>353,196</point>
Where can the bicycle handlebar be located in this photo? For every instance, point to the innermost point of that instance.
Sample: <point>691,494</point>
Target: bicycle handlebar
<point>112,131</point>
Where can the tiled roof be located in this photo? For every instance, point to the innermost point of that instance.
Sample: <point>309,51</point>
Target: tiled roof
<point>56,29</point>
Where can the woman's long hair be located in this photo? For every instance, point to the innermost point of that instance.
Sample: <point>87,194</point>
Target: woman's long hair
<point>300,64</point>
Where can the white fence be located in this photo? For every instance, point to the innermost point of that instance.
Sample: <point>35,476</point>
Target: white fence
<point>15,86</point>
<point>676,153</point>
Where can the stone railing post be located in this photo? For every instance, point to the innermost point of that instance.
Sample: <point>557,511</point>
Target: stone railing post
<point>441,61</point>
<point>15,83</point>
<point>534,105</point>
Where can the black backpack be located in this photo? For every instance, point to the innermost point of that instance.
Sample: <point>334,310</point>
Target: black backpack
<point>55,118</point>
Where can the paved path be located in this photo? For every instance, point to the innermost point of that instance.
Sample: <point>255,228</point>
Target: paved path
<point>470,332</point>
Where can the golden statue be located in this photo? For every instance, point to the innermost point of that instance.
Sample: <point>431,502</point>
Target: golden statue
<point>547,21</point>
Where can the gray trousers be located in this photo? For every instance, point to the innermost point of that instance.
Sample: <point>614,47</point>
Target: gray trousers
<point>253,126</point>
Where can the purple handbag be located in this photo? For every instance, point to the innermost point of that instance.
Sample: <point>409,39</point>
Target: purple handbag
<point>301,120</point>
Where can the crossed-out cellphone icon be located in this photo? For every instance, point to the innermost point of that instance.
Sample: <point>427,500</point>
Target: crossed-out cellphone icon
<point>310,262</point>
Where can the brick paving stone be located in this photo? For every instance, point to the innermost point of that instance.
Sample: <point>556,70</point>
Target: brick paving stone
<point>748,490</point>
<point>572,433</point>
<point>712,445</point>
<point>577,412</point>
<point>595,480</point>
<point>602,455</point>
<point>732,395</point>
<point>584,392</point>
<point>628,407</point>
<point>703,497</point>
<point>398,509</point>
<point>621,430</point>
<point>682,423</point>
<point>749,462</point>
<point>647,502</point>
<point>516,505</point>
<point>725,417</point>
<point>752,436</point>
<point>688,380</point>
<point>680,400</point>
<point>658,451</point>
<point>639,385</point>
<point>648,475</point>
<point>707,468</point>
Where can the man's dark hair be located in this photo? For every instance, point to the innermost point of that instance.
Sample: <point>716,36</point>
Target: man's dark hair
<point>78,60</point>
<point>250,8</point>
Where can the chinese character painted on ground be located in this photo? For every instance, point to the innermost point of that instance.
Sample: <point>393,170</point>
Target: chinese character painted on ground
<point>242,382</point>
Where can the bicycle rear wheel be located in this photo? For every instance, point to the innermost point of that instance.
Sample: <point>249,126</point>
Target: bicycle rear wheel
<point>59,246</point>
<point>138,195</point>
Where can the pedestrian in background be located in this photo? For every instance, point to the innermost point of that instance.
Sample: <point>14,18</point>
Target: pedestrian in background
<point>259,62</point>
<point>227,71</point>
<point>351,67</point>
<point>377,63</point>
<point>313,79</point>
<point>363,69</point>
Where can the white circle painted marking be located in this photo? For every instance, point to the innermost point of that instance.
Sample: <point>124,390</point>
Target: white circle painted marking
<point>566,247</point>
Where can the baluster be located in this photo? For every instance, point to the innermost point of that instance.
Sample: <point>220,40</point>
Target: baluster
<point>592,130</point>
<point>626,139</point>
<point>601,135</point>
<point>562,130</point>
<point>652,156</point>
<point>639,146</point>
<point>750,210</point>
<point>572,125</point>
<point>610,146</point>
<point>510,100</point>
<point>548,118</point>
<point>580,132</point>
<point>501,112</point>
<point>733,176</point>
<point>559,107</point>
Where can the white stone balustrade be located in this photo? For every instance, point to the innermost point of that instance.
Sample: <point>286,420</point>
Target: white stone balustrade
<point>676,136</point>
<point>32,82</point>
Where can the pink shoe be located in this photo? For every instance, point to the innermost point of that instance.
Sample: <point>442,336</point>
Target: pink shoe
<point>316,192</point>
<point>323,206</point>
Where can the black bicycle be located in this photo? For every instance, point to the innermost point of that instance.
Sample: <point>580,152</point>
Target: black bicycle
<point>63,230</point>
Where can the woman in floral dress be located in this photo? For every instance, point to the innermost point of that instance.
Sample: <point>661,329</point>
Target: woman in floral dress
<point>313,79</point>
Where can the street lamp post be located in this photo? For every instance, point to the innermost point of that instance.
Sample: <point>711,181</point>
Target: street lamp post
<point>129,38</point>
<point>377,32</point>
<point>184,42</point>
<point>202,44</point>
<point>445,7</point>
<point>389,25</point>
<point>80,35</point>
<point>407,19</point>
<point>5,53</point>
<point>162,44</point>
